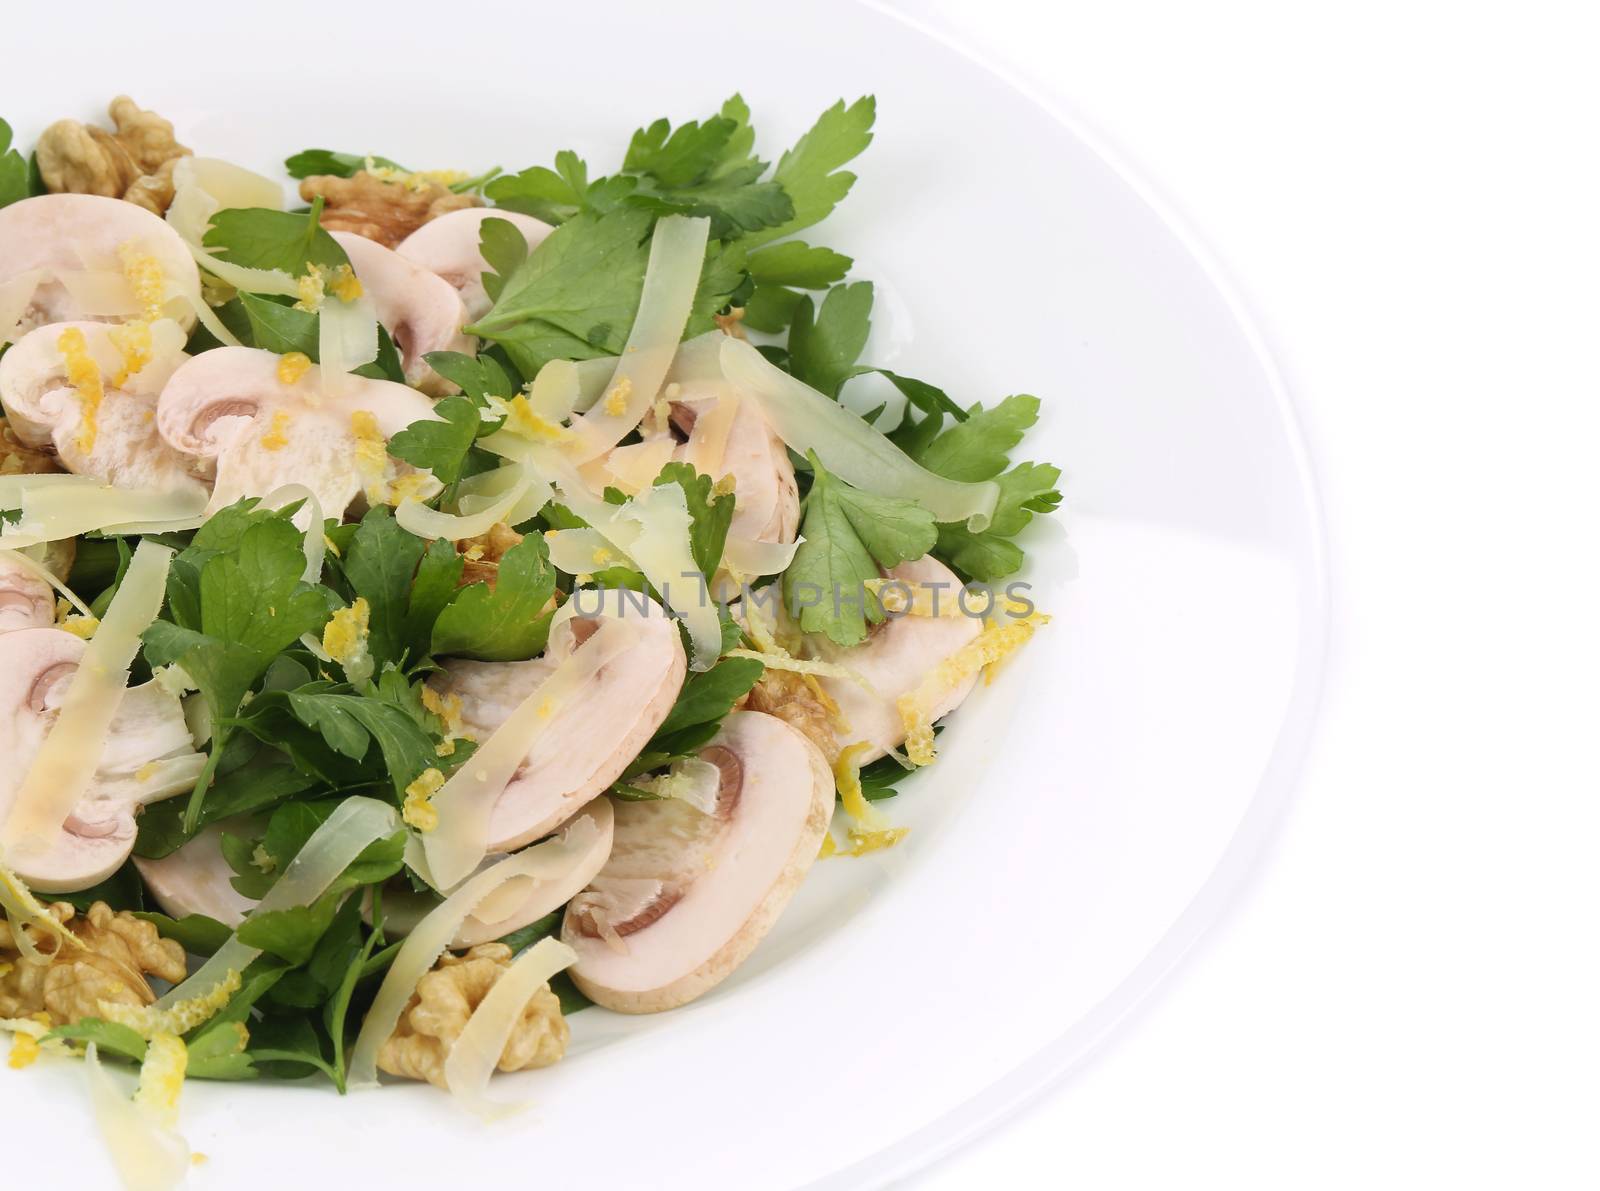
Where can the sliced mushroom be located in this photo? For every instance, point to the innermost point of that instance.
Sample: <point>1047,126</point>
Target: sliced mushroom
<point>767,502</point>
<point>591,738</point>
<point>897,655</point>
<point>521,900</point>
<point>230,412</point>
<point>421,310</point>
<point>26,600</point>
<point>685,896</point>
<point>110,435</point>
<point>197,879</point>
<point>78,234</point>
<point>147,755</point>
<point>449,246</point>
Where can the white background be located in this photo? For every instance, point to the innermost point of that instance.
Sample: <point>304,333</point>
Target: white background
<point>1408,197</point>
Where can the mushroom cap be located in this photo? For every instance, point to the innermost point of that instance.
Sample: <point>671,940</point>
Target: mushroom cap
<point>74,232</point>
<point>895,658</point>
<point>421,310</point>
<point>449,246</point>
<point>687,896</point>
<point>767,501</point>
<point>221,410</point>
<point>197,879</point>
<point>26,600</point>
<point>521,900</point>
<point>591,738</point>
<point>36,667</point>
<point>124,448</point>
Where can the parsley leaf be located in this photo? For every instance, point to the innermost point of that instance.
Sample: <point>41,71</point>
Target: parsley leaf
<point>771,308</point>
<point>13,169</point>
<point>710,514</point>
<point>706,698</point>
<point>380,565</point>
<point>237,600</point>
<point>506,622</point>
<point>1026,489</point>
<point>310,162</point>
<point>977,448</point>
<point>261,238</point>
<point>348,721</point>
<point>797,263</point>
<point>848,536</point>
<point>823,349</point>
<point>574,296</point>
<point>554,196</point>
<point>276,325</point>
<point>811,173</point>
<point>440,446</point>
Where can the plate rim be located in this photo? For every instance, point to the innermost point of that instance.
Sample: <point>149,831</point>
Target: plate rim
<point>1240,862</point>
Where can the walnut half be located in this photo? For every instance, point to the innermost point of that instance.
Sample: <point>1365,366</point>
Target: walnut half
<point>135,162</point>
<point>382,209</point>
<point>444,1001</point>
<point>116,953</point>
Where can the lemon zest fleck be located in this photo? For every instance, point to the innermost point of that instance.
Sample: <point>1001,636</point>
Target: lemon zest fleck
<point>277,437</point>
<point>166,1062</point>
<point>147,1021</point>
<point>996,642</point>
<point>418,809</point>
<point>145,277</point>
<point>83,374</point>
<point>617,398</point>
<point>292,366</point>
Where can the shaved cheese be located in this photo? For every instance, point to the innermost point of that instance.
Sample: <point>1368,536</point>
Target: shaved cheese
<point>148,1153</point>
<point>635,466</point>
<point>677,254</point>
<point>523,491</point>
<point>583,551</point>
<point>848,445</point>
<point>202,186</point>
<point>16,295</point>
<point>36,568</point>
<point>550,860</point>
<point>355,823</point>
<point>660,547</point>
<point>53,511</point>
<point>699,361</point>
<point>99,292</point>
<point>555,391</point>
<point>467,800</point>
<point>65,765</point>
<point>747,556</point>
<point>347,338</point>
<point>693,780</point>
<point>709,443</point>
<point>996,642</point>
<point>475,1054</point>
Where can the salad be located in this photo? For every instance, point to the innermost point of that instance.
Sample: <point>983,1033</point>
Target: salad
<point>453,602</point>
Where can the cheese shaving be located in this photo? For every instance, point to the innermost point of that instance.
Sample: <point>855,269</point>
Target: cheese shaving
<point>848,445</point>
<point>523,495</point>
<point>355,823</point>
<point>996,642</point>
<point>57,507</point>
<point>64,767</point>
<point>677,255</point>
<point>749,557</point>
<point>149,1155</point>
<point>553,393</point>
<point>22,909</point>
<point>428,939</point>
<point>16,295</point>
<point>466,801</point>
<point>692,780</point>
<point>477,1051</point>
<point>347,337</point>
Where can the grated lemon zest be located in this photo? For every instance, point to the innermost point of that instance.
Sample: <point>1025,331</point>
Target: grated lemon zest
<point>292,366</point>
<point>871,831</point>
<point>311,289</point>
<point>24,1051</point>
<point>81,626</point>
<point>344,284</point>
<point>996,642</point>
<point>522,420</point>
<point>617,398</point>
<point>276,437</point>
<point>344,639</point>
<point>83,374</point>
<point>372,455</point>
<point>148,1022</point>
<point>418,810</point>
<point>166,1062</point>
<point>134,344</point>
<point>145,278</point>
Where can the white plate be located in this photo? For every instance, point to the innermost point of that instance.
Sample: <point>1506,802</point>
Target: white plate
<point>1092,810</point>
